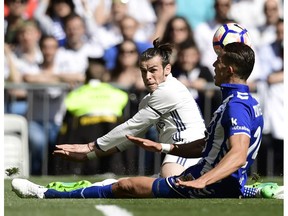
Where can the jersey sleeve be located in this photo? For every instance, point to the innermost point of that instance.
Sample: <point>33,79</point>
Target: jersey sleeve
<point>237,119</point>
<point>127,144</point>
<point>137,125</point>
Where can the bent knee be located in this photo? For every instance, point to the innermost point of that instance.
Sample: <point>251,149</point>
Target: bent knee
<point>124,187</point>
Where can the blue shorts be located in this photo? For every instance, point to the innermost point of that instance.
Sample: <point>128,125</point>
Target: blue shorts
<point>166,188</point>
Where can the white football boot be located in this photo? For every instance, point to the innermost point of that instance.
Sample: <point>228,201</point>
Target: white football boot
<point>26,189</point>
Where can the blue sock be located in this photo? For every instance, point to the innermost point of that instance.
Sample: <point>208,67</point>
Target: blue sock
<point>161,189</point>
<point>88,192</point>
<point>250,192</point>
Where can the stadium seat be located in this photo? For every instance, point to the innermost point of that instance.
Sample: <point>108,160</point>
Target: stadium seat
<point>16,149</point>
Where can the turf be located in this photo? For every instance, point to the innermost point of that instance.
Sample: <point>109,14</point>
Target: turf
<point>14,206</point>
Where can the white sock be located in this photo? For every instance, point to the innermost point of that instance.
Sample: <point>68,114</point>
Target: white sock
<point>105,182</point>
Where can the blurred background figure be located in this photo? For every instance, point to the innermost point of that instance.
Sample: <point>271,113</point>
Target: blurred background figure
<point>50,15</point>
<point>176,32</point>
<point>29,11</point>
<point>108,30</point>
<point>14,20</point>
<point>92,110</point>
<point>253,10</point>
<point>28,57</point>
<point>15,101</point>
<point>44,122</point>
<point>266,33</point>
<point>126,74</point>
<point>272,88</point>
<point>78,48</point>
<point>165,11</point>
<point>128,28</point>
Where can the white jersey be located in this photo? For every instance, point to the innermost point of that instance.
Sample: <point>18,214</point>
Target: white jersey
<point>170,108</point>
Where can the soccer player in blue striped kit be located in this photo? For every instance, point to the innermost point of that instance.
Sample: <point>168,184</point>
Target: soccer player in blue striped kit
<point>228,151</point>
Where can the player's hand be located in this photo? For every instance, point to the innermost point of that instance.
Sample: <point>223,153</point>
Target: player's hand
<point>145,143</point>
<point>193,183</point>
<point>74,152</point>
<point>72,156</point>
<point>76,148</point>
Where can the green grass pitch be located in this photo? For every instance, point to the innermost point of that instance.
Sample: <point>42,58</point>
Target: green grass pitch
<point>14,206</point>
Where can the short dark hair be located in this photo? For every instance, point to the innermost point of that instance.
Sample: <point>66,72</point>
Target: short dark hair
<point>50,10</point>
<point>163,50</point>
<point>187,44</point>
<point>70,17</point>
<point>241,56</point>
<point>46,37</point>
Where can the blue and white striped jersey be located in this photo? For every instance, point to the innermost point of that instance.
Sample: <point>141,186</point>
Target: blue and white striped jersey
<point>239,113</point>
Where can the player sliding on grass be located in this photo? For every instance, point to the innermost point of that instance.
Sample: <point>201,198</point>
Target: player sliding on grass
<point>233,139</point>
<point>169,106</point>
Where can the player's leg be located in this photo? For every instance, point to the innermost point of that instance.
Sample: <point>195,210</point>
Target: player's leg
<point>174,165</point>
<point>170,169</point>
<point>136,187</point>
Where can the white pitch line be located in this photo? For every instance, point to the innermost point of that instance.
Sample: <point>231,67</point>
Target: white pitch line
<point>112,210</point>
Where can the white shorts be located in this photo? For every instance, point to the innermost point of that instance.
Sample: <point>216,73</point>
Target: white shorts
<point>185,162</point>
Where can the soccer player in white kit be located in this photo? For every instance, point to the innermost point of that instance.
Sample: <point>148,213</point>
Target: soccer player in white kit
<point>169,107</point>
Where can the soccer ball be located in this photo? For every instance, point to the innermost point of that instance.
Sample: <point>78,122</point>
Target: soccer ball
<point>229,33</point>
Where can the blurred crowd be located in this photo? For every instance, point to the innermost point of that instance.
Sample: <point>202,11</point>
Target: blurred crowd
<point>93,47</point>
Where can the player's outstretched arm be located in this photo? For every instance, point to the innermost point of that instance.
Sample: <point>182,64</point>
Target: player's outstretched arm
<point>81,152</point>
<point>188,150</point>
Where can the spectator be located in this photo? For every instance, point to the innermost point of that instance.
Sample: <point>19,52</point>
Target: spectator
<point>109,34</point>
<point>272,63</point>
<point>18,103</point>
<point>165,10</point>
<point>108,13</point>
<point>28,13</point>
<point>262,36</point>
<point>77,49</point>
<point>14,20</point>
<point>253,10</point>
<point>177,31</point>
<point>136,9</point>
<point>43,132</point>
<point>266,34</point>
<point>28,56</point>
<point>126,73</point>
<point>50,15</point>
<point>204,32</point>
<point>128,27</point>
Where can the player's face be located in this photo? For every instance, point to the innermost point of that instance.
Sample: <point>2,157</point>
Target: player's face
<point>221,71</point>
<point>153,73</point>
